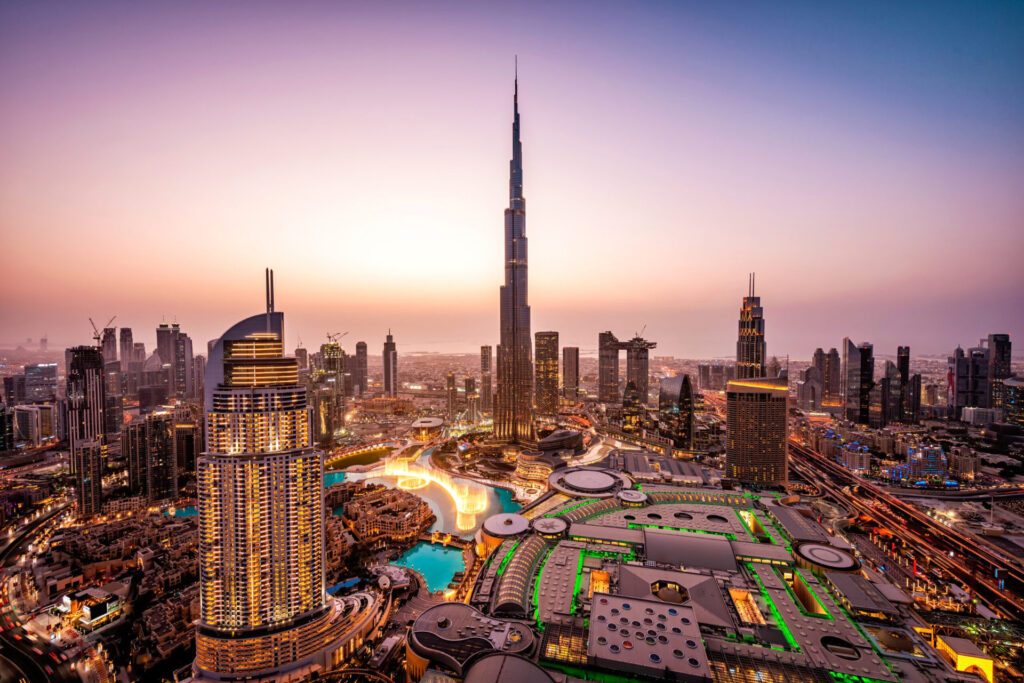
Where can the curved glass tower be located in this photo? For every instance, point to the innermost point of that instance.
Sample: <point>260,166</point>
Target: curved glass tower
<point>513,416</point>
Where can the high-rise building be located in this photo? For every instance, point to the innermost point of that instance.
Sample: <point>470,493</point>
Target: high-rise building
<point>633,412</point>
<point>390,366</point>
<point>912,409</point>
<point>903,369</point>
<point>14,390</point>
<point>175,350</point>
<point>360,375</point>
<point>638,365</point>
<point>513,417</point>
<point>571,372</point>
<point>198,376</point>
<point>89,457</point>
<point>148,444</point>
<point>6,428</point>
<point>86,398</point>
<point>108,344</point>
<point>546,372</point>
<point>809,390</point>
<point>999,359</point>
<point>967,380</point>
<point>858,380</point>
<point>113,413</point>
<point>302,357</point>
<point>452,398</point>
<point>757,426</point>
<point>40,382</point>
<point>127,348</point>
<point>608,367</point>
<point>183,360</point>
<point>704,376</point>
<point>263,607</point>
<point>35,423</point>
<point>186,446</point>
<point>486,385</point>
<point>165,335</point>
<point>750,347</point>
<point>472,401</point>
<point>1013,400</point>
<point>831,379</point>
<point>676,411</point>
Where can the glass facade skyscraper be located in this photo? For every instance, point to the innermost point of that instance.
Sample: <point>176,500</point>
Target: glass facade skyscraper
<point>513,417</point>
<point>546,371</point>
<point>750,347</point>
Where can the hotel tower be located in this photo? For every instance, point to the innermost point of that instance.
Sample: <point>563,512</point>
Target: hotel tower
<point>264,613</point>
<point>513,415</point>
<point>750,348</point>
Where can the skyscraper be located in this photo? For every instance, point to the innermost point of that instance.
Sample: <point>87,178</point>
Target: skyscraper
<point>40,382</point>
<point>302,357</point>
<point>831,379</point>
<point>750,347</point>
<point>183,366</point>
<point>390,366</point>
<point>967,380</point>
<point>472,401</point>
<point>757,426</point>
<point>263,607</point>
<point>676,414</point>
<point>513,419</point>
<point>127,349</point>
<point>108,344</point>
<point>571,372</point>
<point>999,357</point>
<point>452,398</point>
<point>86,398</point>
<point>88,457</point>
<point>165,335</point>
<point>359,378</point>
<point>175,350</point>
<point>633,412</point>
<point>607,368</point>
<point>6,428</point>
<point>818,361</point>
<point>148,444</point>
<point>486,385</point>
<point>858,380</point>
<point>638,365</point>
<point>198,376</point>
<point>546,372</point>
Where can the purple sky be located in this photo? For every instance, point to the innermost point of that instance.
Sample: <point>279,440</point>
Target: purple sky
<point>864,159</point>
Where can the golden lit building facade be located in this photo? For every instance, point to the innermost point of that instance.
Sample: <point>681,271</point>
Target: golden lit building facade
<point>264,612</point>
<point>757,428</point>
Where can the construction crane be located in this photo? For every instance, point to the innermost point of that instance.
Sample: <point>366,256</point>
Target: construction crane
<point>336,337</point>
<point>96,334</point>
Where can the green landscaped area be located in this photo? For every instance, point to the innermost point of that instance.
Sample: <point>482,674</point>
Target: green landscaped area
<point>361,458</point>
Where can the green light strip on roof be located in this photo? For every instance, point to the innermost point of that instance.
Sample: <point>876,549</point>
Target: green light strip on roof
<point>508,557</point>
<point>780,622</point>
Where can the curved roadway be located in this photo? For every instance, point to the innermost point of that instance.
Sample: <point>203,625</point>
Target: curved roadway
<point>22,659</point>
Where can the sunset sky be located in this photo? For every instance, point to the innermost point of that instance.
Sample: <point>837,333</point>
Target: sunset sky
<point>866,159</point>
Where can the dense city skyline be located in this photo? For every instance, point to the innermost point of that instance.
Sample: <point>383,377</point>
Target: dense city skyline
<point>730,150</point>
<point>433,476</point>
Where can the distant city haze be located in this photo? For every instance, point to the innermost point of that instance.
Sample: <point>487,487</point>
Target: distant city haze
<point>865,160</point>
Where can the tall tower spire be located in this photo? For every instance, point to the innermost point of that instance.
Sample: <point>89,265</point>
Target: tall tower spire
<point>513,415</point>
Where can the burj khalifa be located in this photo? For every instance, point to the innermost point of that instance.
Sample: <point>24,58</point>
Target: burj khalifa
<point>513,417</point>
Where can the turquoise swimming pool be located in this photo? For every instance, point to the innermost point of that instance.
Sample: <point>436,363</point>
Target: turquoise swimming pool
<point>436,563</point>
